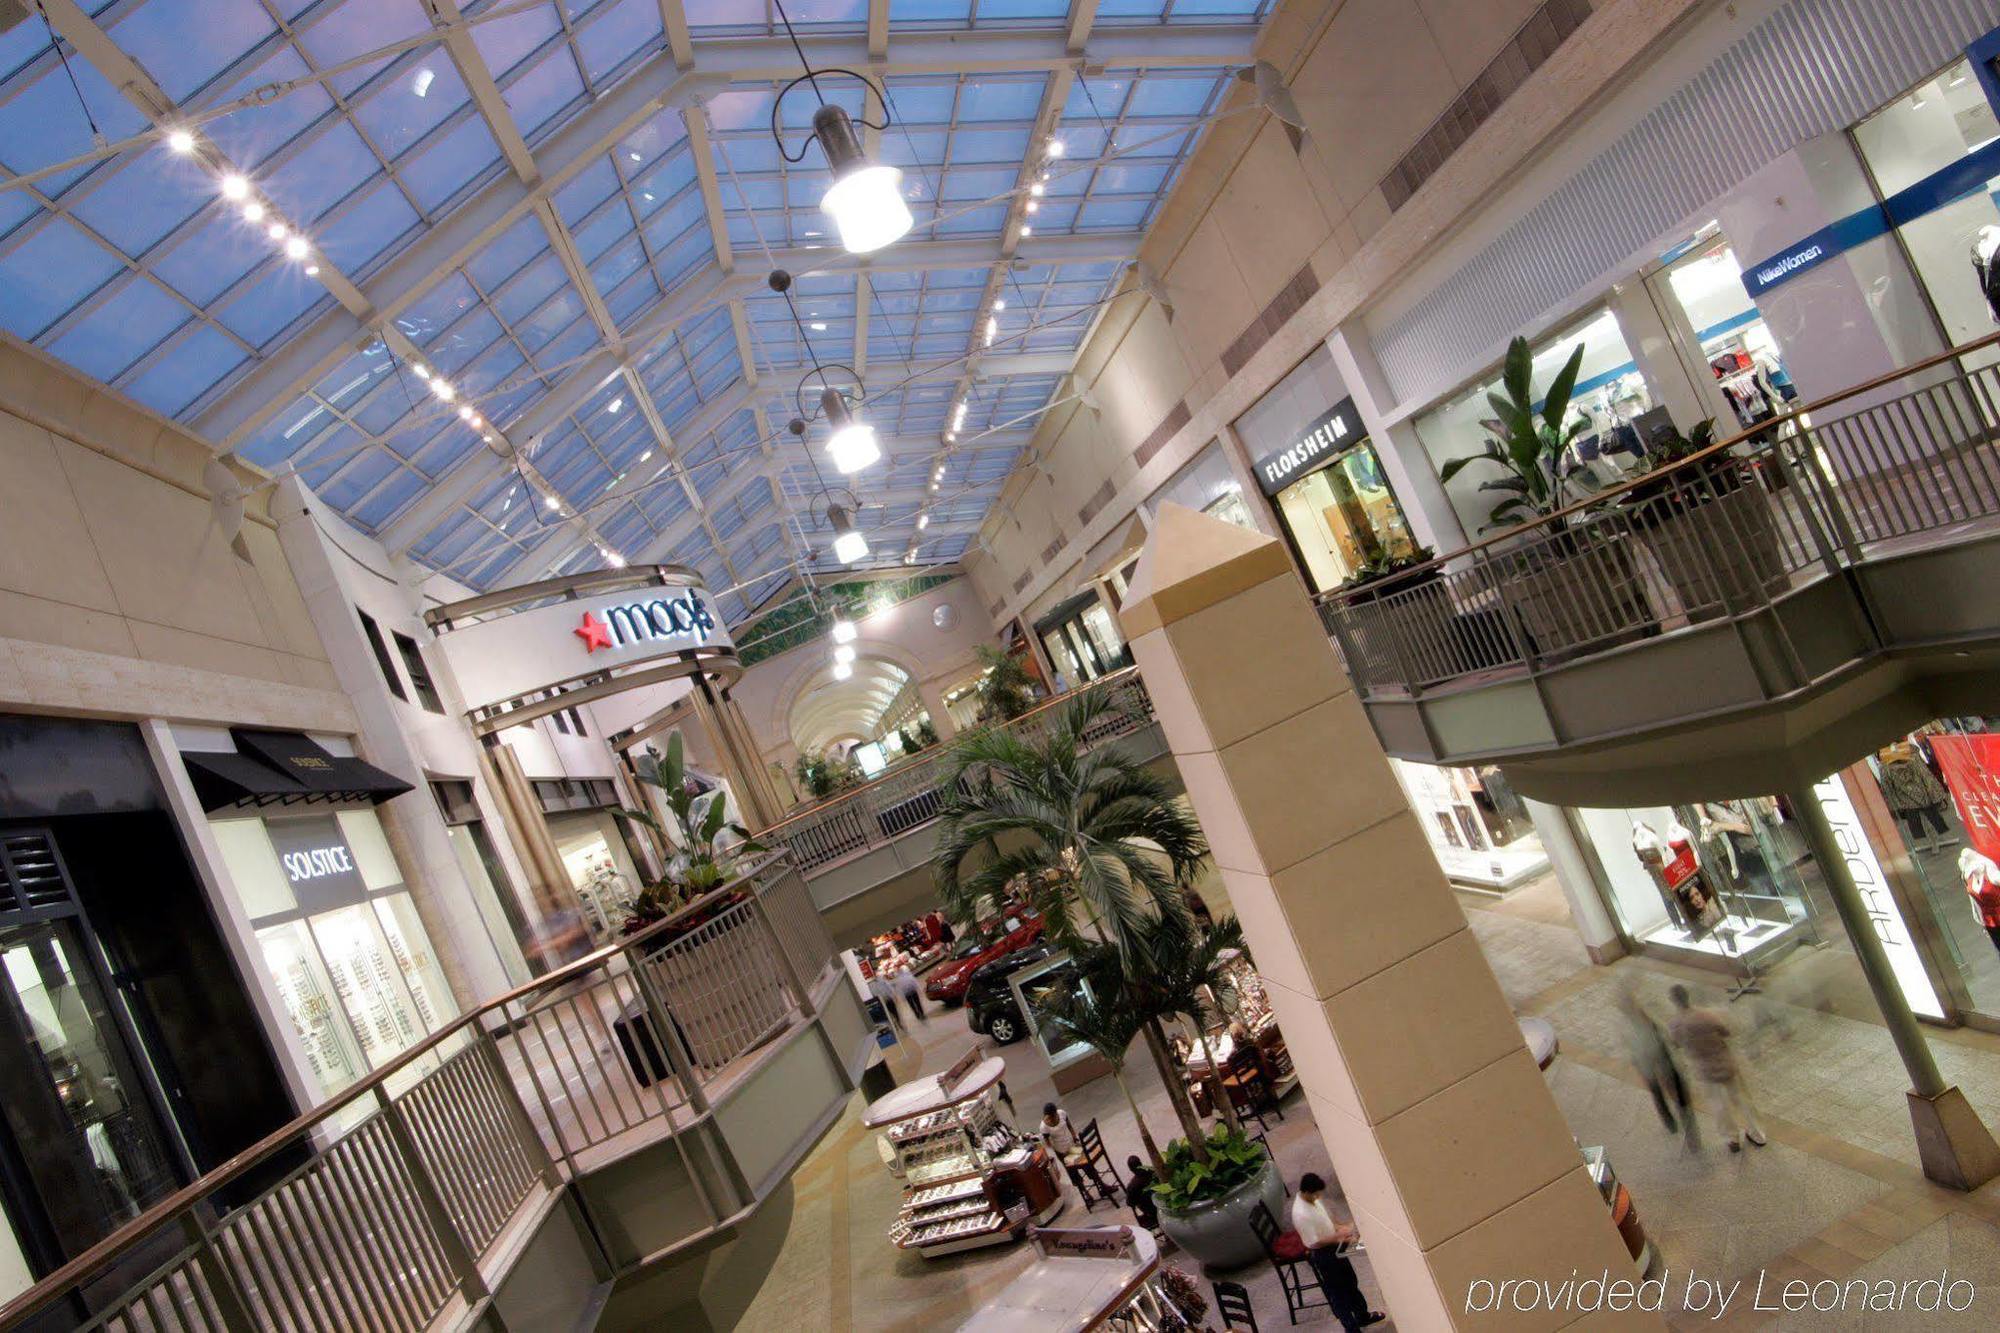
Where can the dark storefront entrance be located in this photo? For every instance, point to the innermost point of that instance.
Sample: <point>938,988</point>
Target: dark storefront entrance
<point>130,1058</point>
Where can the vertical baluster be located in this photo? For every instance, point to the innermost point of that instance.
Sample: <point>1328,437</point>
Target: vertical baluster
<point>458,1258</point>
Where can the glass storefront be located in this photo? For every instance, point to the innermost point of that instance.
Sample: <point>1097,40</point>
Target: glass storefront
<point>1082,640</point>
<point>1610,395</point>
<point>1717,883</point>
<point>1928,130</point>
<point>1343,517</point>
<point>1206,485</point>
<point>1734,344</point>
<point>1478,827</point>
<point>340,936</point>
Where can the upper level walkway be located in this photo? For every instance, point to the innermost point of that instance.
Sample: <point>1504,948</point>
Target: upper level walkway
<point>1763,612</point>
<point>617,1113</point>
<point>854,843</point>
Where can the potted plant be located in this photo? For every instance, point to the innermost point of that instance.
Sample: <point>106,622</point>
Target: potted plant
<point>698,862</point>
<point>1372,579</point>
<point>1103,848</point>
<point>1006,690</point>
<point>1709,529</point>
<point>1565,569</point>
<point>826,775</point>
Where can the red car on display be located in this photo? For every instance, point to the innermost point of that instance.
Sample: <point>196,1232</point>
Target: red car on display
<point>948,980</point>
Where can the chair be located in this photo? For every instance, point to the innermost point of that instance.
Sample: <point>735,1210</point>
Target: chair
<point>1260,1139</point>
<point>1287,1254</point>
<point>1232,1306</point>
<point>1094,1177</point>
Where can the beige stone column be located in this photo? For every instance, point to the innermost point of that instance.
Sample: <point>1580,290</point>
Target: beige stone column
<point>548,880</point>
<point>932,693</point>
<point>1446,1141</point>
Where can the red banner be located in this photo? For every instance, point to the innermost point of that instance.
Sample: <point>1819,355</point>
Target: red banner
<point>1971,766</point>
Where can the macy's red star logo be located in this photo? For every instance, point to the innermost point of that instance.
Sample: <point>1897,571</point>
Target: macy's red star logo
<point>594,632</point>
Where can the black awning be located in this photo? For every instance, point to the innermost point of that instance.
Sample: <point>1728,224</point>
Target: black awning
<point>285,768</point>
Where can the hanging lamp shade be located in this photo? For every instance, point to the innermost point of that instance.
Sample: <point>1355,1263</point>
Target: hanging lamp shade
<point>848,543</point>
<point>865,201</point>
<point>852,444</point>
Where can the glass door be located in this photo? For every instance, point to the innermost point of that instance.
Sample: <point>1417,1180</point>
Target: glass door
<point>84,1135</point>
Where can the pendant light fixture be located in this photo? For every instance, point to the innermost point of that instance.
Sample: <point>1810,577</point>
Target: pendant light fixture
<point>849,545</point>
<point>865,201</point>
<point>843,629</point>
<point>852,445</point>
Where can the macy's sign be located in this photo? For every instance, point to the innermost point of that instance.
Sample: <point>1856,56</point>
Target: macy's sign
<point>684,617</point>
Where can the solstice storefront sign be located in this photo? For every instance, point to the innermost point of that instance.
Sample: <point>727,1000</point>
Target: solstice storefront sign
<point>506,647</point>
<point>1331,432</point>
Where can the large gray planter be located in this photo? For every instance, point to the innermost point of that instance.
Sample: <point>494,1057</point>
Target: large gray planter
<point>1721,554</point>
<point>1218,1232</point>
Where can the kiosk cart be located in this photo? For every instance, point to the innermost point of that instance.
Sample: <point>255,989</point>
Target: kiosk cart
<point>968,1178</point>
<point>1083,1278</point>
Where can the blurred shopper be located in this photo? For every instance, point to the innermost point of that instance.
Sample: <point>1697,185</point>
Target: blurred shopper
<point>885,994</point>
<point>1706,1037</point>
<point>906,986</point>
<point>1139,1193</point>
<point>1654,1060</point>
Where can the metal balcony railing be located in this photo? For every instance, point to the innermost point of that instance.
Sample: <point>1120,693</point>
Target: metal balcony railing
<point>1906,457</point>
<point>375,1209</point>
<point>910,795</point>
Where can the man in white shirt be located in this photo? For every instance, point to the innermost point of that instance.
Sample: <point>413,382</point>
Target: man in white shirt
<point>1323,1238</point>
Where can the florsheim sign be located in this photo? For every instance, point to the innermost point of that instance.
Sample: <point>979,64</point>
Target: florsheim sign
<point>512,656</point>
<point>1328,434</point>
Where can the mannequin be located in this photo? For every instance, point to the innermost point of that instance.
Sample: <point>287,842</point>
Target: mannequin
<point>1917,797</point>
<point>1984,246</point>
<point>1982,885</point>
<point>1677,873</point>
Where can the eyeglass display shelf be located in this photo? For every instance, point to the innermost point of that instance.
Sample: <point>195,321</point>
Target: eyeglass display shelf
<point>1081,1277</point>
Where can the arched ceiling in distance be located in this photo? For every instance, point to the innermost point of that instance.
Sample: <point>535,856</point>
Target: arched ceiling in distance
<point>829,709</point>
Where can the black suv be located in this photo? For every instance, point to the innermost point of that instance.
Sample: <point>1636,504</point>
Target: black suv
<point>989,1001</point>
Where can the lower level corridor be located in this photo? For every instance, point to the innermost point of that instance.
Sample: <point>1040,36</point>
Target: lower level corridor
<point>1837,1192</point>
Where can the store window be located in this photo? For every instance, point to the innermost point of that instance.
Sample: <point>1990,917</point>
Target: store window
<point>1610,396</point>
<point>1718,884</point>
<point>1940,787</point>
<point>340,936</point>
<point>1310,455</point>
<point>1930,130</point>
<point>1733,343</point>
<point>1207,485</point>
<point>1083,640</point>
<point>381,650</point>
<point>1478,827</point>
<point>420,676</point>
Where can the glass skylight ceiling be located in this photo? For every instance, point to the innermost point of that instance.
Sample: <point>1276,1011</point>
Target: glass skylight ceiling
<point>587,318</point>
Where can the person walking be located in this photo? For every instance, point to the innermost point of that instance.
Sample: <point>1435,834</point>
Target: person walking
<point>1655,1063</point>
<point>907,987</point>
<point>885,994</point>
<point>1325,1240</point>
<point>1709,1042</point>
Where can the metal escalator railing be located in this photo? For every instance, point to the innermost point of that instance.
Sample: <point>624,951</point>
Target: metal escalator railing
<point>374,1210</point>
<point>910,795</point>
<point>1907,456</point>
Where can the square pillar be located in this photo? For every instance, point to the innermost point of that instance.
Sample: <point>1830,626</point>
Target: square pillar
<point>1447,1143</point>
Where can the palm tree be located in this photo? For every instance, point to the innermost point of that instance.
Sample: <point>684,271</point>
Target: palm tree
<point>1006,690</point>
<point>1092,1007</point>
<point>1095,837</point>
<point>1183,965</point>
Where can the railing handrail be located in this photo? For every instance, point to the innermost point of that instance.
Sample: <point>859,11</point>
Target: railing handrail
<point>939,751</point>
<point>1554,522</point>
<point>104,1251</point>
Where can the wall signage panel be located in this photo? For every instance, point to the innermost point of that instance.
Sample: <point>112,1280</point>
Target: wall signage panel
<point>1883,912</point>
<point>1328,434</point>
<point>513,655</point>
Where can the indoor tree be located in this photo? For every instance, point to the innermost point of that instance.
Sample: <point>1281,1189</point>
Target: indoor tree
<point>698,861</point>
<point>1006,690</point>
<point>1092,1007</point>
<point>1531,448</point>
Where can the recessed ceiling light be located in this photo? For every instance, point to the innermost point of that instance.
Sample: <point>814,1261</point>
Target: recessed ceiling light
<point>552,502</point>
<point>465,412</point>
<point>443,390</point>
<point>1026,230</point>
<point>1036,189</point>
<point>235,187</point>
<point>253,211</point>
<point>181,141</point>
<point>999,303</point>
<point>1055,147</point>
<point>278,231</point>
<point>297,248</point>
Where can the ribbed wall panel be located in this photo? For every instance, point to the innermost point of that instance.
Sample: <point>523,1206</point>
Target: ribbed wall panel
<point>1812,68</point>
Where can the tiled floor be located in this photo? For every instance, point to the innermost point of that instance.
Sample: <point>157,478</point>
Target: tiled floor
<point>1836,1195</point>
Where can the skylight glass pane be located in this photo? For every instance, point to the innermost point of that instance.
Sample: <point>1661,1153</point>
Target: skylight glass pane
<point>404,109</point>
<point>326,171</point>
<point>355,27</point>
<point>157,35</point>
<point>614,36</point>
<point>502,258</point>
<point>544,89</point>
<point>250,136</point>
<point>437,173</point>
<point>506,42</point>
<point>44,124</point>
<point>49,272</point>
<point>124,326</point>
<point>149,196</point>
<point>185,371</point>
<point>368,228</point>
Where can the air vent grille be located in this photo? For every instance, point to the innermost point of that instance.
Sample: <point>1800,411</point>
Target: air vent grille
<point>1163,432</point>
<point>34,876</point>
<point>1291,298</point>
